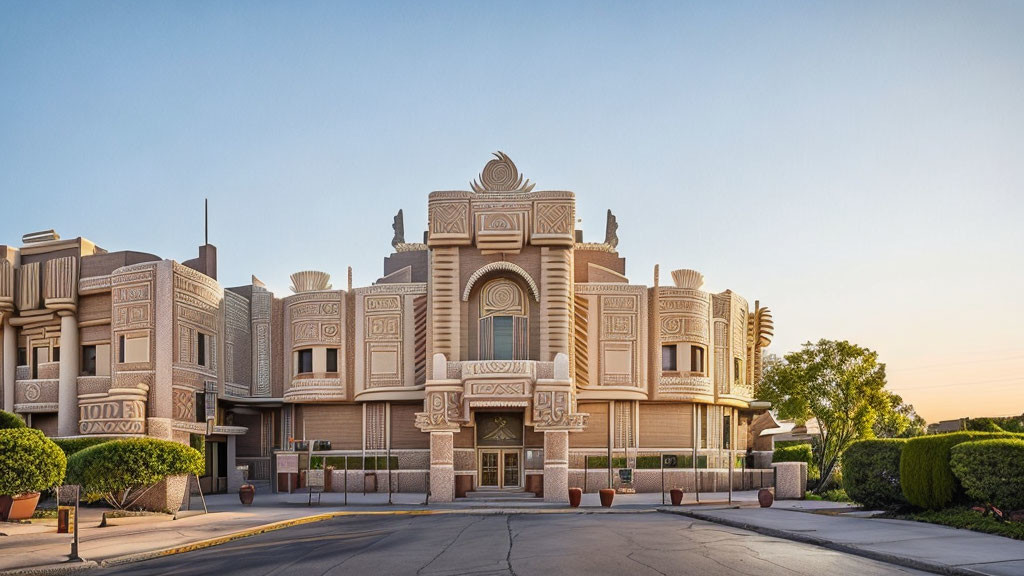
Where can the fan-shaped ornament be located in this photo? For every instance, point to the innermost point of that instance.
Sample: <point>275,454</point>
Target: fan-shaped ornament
<point>501,175</point>
<point>310,281</point>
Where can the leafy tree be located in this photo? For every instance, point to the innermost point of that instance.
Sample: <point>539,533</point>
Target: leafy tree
<point>839,383</point>
<point>897,419</point>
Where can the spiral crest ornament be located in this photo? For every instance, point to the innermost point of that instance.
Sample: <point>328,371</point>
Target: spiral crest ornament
<point>501,175</point>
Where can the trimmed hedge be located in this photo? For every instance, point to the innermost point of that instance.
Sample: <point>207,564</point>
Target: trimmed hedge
<point>29,462</point>
<point>10,420</point>
<point>72,445</point>
<point>871,472</point>
<point>925,475</point>
<point>119,471</point>
<point>991,471</point>
<point>794,453</point>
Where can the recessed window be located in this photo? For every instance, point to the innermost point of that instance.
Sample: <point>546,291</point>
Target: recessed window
<point>201,354</point>
<point>22,356</point>
<point>696,359</point>
<point>332,359</point>
<point>88,360</point>
<point>304,364</point>
<point>737,370</point>
<point>56,354</point>
<point>133,349</point>
<point>200,407</point>
<point>726,432</point>
<point>668,358</point>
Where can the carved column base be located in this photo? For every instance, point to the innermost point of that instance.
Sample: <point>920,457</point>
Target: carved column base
<point>442,466</point>
<point>556,466</point>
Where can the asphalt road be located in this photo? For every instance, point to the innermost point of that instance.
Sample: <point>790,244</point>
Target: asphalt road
<point>543,544</point>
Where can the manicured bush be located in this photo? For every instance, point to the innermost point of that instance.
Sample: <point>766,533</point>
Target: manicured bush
<point>871,472</point>
<point>29,462</point>
<point>9,420</point>
<point>120,471</point>
<point>72,445</point>
<point>925,475</point>
<point>991,471</point>
<point>797,453</point>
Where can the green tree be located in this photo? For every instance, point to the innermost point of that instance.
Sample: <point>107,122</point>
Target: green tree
<point>897,419</point>
<point>839,383</point>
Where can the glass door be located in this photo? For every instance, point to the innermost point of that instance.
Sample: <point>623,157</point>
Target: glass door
<point>490,462</point>
<point>509,468</point>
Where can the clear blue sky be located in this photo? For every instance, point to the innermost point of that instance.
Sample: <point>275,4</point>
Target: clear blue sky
<point>857,167</point>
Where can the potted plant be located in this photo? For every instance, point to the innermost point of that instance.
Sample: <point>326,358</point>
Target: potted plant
<point>607,495</point>
<point>677,496</point>
<point>575,495</point>
<point>765,497</point>
<point>29,463</point>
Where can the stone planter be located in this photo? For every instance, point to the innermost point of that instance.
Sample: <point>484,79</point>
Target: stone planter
<point>607,495</point>
<point>19,506</point>
<point>246,493</point>
<point>677,496</point>
<point>765,497</point>
<point>575,496</point>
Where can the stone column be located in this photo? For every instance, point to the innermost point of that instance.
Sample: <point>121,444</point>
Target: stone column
<point>442,466</point>
<point>556,466</point>
<point>67,390</point>
<point>10,363</point>
<point>235,477</point>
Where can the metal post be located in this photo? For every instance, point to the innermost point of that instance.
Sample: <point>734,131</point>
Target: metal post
<point>426,485</point>
<point>345,483</point>
<point>661,456</point>
<point>586,471</point>
<point>74,557</point>
<point>389,473</point>
<point>696,484</point>
<point>611,480</point>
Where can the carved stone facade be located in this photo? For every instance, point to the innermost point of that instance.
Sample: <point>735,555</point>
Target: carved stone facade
<point>503,315</point>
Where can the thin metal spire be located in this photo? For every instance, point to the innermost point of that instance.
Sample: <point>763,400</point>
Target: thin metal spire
<point>206,220</point>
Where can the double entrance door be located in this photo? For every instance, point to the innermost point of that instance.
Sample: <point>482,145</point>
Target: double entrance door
<point>500,468</point>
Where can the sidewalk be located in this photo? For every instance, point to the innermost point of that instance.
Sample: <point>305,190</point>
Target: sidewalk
<point>911,544</point>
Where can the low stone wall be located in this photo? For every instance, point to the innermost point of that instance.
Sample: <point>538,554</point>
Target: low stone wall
<point>710,480</point>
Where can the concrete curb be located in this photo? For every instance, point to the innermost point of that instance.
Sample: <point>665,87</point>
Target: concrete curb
<point>60,569</point>
<point>897,560</point>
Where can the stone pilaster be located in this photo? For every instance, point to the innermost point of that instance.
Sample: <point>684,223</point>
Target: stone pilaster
<point>445,305</point>
<point>442,466</point>
<point>10,363</point>
<point>555,302</point>
<point>235,477</point>
<point>556,466</point>
<point>67,387</point>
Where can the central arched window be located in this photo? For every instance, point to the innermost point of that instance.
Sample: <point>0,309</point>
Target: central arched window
<point>504,325</point>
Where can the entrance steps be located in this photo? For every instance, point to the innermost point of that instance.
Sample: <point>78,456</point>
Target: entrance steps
<point>486,496</point>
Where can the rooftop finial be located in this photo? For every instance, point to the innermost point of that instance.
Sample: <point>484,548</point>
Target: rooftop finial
<point>501,175</point>
<point>206,220</point>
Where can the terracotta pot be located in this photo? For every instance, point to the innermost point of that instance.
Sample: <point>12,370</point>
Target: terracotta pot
<point>246,493</point>
<point>19,506</point>
<point>607,495</point>
<point>677,496</point>
<point>765,497</point>
<point>575,495</point>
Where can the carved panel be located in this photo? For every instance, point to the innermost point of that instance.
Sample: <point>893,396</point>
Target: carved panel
<point>28,286</point>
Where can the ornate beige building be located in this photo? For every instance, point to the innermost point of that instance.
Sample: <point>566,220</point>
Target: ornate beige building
<point>502,353</point>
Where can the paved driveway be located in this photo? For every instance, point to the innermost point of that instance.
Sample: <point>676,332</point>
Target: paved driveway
<point>523,544</point>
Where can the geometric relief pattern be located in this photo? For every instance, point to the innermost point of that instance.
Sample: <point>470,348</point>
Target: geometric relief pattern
<point>183,402</point>
<point>383,325</point>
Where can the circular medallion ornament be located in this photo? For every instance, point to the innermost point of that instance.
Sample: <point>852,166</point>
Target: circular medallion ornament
<point>501,175</point>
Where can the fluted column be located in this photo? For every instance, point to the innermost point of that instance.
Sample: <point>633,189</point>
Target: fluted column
<point>10,362</point>
<point>67,391</point>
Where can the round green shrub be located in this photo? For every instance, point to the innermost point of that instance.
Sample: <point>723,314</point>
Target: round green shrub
<point>9,420</point>
<point>29,462</point>
<point>991,471</point>
<point>117,471</point>
<point>925,475</point>
<point>871,472</point>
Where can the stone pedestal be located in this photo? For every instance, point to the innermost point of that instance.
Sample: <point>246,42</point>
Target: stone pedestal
<point>442,466</point>
<point>556,466</point>
<point>10,363</point>
<point>790,480</point>
<point>67,390</point>
<point>235,476</point>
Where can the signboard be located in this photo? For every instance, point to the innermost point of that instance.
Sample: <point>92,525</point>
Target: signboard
<point>288,463</point>
<point>626,475</point>
<point>65,519</point>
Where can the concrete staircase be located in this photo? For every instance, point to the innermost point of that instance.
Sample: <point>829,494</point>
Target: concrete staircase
<point>500,497</point>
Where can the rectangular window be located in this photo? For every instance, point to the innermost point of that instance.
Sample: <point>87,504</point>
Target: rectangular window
<point>201,354</point>
<point>133,349</point>
<point>696,359</point>
<point>332,359</point>
<point>200,407</point>
<point>40,355</point>
<point>305,361</point>
<point>56,354</point>
<point>737,370</point>
<point>88,360</point>
<point>120,349</point>
<point>726,432</point>
<point>503,338</point>
<point>668,358</point>
<point>702,413</point>
<point>22,356</point>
